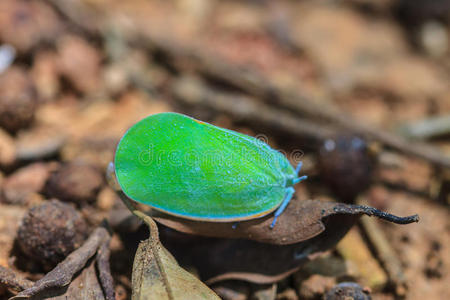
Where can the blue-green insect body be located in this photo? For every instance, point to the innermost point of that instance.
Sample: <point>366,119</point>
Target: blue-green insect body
<point>199,171</point>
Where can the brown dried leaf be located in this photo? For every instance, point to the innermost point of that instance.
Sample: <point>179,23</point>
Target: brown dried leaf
<point>157,275</point>
<point>302,220</point>
<point>223,259</point>
<point>219,259</point>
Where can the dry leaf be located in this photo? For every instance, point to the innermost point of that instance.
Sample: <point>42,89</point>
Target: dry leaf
<point>218,259</point>
<point>302,220</point>
<point>162,277</point>
<point>157,275</point>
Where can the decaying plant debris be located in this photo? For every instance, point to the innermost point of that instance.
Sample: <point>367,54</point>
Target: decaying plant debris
<point>358,90</point>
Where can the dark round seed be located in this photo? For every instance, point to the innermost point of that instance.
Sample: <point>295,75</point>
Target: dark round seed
<point>51,231</point>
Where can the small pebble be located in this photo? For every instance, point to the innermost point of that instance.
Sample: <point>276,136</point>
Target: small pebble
<point>7,56</point>
<point>39,143</point>
<point>347,291</point>
<point>106,199</point>
<point>79,62</point>
<point>434,38</point>
<point>23,185</point>
<point>17,99</point>
<point>26,24</point>
<point>7,149</point>
<point>75,182</point>
<point>51,231</point>
<point>346,166</point>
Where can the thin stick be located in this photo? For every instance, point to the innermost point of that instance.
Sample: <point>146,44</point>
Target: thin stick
<point>104,269</point>
<point>370,211</point>
<point>194,92</point>
<point>14,280</point>
<point>384,252</point>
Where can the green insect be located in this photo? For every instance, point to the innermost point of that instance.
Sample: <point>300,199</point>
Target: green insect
<point>195,170</point>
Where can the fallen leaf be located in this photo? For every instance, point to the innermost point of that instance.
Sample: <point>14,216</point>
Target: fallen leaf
<point>157,275</point>
<point>302,220</point>
<point>218,259</point>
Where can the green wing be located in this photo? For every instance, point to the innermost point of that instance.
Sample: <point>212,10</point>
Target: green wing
<point>196,170</point>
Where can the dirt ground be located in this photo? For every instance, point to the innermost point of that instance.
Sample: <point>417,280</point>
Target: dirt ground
<point>358,90</point>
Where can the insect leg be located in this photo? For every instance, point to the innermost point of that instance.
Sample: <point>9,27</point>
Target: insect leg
<point>299,166</point>
<point>289,193</point>
<point>297,180</point>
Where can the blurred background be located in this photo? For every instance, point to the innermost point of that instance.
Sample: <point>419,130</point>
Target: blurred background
<point>361,87</point>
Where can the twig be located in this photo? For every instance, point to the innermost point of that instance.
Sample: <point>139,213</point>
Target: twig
<point>384,252</point>
<point>63,273</point>
<point>371,211</point>
<point>14,280</point>
<point>193,92</point>
<point>104,269</point>
<point>428,128</point>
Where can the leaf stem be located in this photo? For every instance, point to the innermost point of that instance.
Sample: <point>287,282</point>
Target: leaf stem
<point>154,233</point>
<point>371,211</point>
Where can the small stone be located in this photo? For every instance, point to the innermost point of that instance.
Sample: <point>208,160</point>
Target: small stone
<point>115,79</point>
<point>51,231</point>
<point>17,99</point>
<point>45,74</point>
<point>7,56</point>
<point>75,182</point>
<point>346,166</point>
<point>79,62</point>
<point>22,186</point>
<point>39,142</point>
<point>347,290</point>
<point>106,199</point>
<point>7,149</point>
<point>25,24</point>
<point>434,38</point>
<point>287,294</point>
